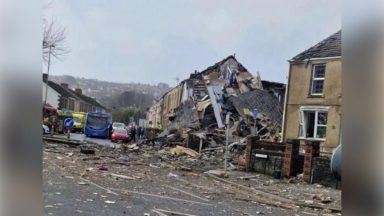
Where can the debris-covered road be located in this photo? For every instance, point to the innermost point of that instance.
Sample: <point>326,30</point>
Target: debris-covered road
<point>146,180</point>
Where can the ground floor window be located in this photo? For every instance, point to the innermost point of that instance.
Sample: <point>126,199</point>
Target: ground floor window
<point>313,122</point>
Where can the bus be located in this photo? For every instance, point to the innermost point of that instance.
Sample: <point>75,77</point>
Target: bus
<point>97,124</point>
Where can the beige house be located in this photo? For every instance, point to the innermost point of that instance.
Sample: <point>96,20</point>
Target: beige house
<point>313,98</point>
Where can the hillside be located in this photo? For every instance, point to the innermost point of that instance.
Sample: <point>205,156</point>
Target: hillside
<point>112,94</point>
<point>131,99</point>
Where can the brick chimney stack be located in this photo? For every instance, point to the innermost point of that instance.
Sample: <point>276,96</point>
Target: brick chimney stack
<point>65,85</point>
<point>78,90</point>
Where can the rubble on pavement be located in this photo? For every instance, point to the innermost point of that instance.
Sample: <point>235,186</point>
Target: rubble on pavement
<point>154,163</point>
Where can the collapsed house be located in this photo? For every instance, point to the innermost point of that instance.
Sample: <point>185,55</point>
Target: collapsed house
<point>201,102</point>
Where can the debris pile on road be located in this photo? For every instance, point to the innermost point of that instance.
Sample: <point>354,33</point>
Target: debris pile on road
<point>178,173</point>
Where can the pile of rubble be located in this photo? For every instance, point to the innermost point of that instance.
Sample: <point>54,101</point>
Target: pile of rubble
<point>140,168</point>
<point>207,97</point>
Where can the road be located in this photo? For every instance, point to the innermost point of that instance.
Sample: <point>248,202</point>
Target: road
<point>73,185</point>
<point>82,137</point>
<point>147,181</point>
<point>66,193</point>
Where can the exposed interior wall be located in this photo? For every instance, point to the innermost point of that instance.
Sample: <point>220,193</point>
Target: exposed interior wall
<point>154,115</point>
<point>171,100</point>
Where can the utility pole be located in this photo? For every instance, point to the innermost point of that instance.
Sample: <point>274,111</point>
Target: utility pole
<point>254,113</point>
<point>46,82</point>
<point>226,142</point>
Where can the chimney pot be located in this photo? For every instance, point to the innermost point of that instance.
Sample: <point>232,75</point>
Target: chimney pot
<point>78,90</point>
<point>65,85</point>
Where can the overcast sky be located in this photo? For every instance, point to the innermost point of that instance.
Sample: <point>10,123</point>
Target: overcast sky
<point>151,41</point>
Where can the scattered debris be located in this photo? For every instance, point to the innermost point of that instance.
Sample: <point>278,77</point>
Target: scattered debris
<point>87,150</point>
<point>82,183</point>
<point>172,175</point>
<point>153,163</point>
<point>153,166</point>
<point>190,194</point>
<point>172,212</point>
<point>103,167</point>
<point>122,176</point>
<point>248,177</point>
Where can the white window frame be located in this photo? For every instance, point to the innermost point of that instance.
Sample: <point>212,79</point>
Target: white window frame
<point>302,122</point>
<point>317,79</point>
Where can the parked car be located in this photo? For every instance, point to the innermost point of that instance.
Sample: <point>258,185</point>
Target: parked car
<point>118,125</point>
<point>120,135</point>
<point>46,129</point>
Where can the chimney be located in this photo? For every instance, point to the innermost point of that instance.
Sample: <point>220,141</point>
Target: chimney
<point>45,77</point>
<point>78,90</point>
<point>65,85</point>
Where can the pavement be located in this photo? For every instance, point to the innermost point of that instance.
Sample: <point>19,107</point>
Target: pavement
<point>98,141</point>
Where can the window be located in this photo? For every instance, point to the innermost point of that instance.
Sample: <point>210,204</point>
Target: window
<point>318,76</point>
<point>64,104</point>
<point>313,123</point>
<point>71,104</point>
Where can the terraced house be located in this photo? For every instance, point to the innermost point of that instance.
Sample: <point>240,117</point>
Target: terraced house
<point>60,96</point>
<point>313,102</point>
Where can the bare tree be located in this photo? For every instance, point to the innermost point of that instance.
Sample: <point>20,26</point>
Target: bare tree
<point>54,40</point>
<point>53,43</point>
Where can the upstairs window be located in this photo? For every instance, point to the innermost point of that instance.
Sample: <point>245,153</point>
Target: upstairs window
<point>318,76</point>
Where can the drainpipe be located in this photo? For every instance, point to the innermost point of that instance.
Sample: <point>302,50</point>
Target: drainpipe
<point>286,102</point>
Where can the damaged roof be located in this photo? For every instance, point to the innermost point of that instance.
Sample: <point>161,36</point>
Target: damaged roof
<point>329,47</point>
<point>262,100</point>
<point>217,65</point>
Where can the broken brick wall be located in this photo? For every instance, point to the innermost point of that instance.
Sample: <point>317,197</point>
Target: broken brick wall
<point>293,162</point>
<point>322,174</point>
<point>312,150</point>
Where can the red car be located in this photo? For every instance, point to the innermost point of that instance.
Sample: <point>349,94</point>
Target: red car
<point>119,135</point>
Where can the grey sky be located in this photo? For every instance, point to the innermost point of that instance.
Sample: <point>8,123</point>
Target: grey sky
<point>151,41</point>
